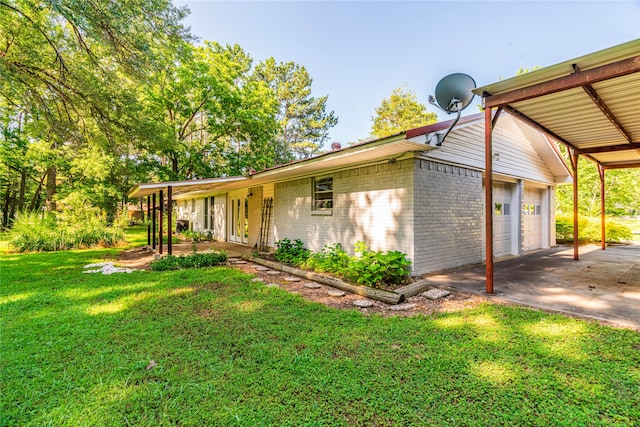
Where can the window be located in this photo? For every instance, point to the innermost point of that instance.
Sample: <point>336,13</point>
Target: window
<point>208,212</point>
<point>322,193</point>
<point>211,211</point>
<point>502,209</point>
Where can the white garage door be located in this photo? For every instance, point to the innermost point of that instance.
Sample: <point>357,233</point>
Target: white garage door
<point>532,218</point>
<point>501,219</point>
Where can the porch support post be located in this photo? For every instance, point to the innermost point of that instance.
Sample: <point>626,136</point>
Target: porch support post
<point>141,209</point>
<point>148,218</point>
<point>488,168</point>
<point>574,168</point>
<point>153,223</point>
<point>170,219</point>
<point>161,219</point>
<point>603,229</point>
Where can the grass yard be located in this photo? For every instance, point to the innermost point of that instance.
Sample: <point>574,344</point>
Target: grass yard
<point>76,349</point>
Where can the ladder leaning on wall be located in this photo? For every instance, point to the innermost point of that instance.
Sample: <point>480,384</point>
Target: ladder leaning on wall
<point>265,226</point>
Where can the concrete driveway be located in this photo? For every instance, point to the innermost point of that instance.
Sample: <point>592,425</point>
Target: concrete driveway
<point>602,285</point>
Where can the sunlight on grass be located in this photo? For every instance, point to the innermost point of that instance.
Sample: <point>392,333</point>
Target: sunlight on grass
<point>120,304</point>
<point>560,338</point>
<point>248,306</point>
<point>550,329</point>
<point>490,330</point>
<point>450,322</point>
<point>16,297</point>
<point>181,291</point>
<point>80,294</point>
<point>498,374</point>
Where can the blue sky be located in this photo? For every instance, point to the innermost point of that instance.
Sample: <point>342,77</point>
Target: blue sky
<point>359,51</point>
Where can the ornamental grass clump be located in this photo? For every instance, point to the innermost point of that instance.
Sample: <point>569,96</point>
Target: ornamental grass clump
<point>79,225</point>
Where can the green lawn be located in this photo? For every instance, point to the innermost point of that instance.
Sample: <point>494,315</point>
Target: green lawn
<point>75,349</point>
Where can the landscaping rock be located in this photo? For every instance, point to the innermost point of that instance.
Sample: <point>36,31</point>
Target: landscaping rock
<point>312,285</point>
<point>273,273</point>
<point>261,268</point>
<point>256,279</point>
<point>336,293</point>
<point>435,293</point>
<point>292,279</point>
<point>363,303</point>
<point>272,285</point>
<point>403,307</point>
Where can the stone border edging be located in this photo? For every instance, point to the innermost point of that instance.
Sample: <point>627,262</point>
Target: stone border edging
<point>376,294</point>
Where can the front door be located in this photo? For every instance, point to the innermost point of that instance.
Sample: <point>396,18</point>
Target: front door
<point>239,218</point>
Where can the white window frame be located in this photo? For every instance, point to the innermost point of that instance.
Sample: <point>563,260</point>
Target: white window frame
<point>315,202</point>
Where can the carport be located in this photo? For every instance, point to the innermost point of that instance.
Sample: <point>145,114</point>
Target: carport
<point>589,104</point>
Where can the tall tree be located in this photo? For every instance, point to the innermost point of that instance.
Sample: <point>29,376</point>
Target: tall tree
<point>303,119</point>
<point>70,71</point>
<point>400,112</point>
<point>212,117</point>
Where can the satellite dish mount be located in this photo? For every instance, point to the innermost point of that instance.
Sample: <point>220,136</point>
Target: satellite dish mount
<point>453,94</point>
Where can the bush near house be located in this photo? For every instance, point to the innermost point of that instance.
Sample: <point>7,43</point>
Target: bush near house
<point>196,236</point>
<point>369,268</point>
<point>589,230</point>
<point>206,259</point>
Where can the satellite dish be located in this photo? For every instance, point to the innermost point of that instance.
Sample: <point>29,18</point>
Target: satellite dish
<point>453,92</point>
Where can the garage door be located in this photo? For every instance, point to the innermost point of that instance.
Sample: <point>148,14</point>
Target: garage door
<point>532,218</point>
<point>501,219</point>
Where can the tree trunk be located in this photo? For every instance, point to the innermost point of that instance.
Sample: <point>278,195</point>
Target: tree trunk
<point>174,164</point>
<point>12,208</point>
<point>51,189</point>
<point>23,187</point>
<point>5,208</point>
<point>36,196</point>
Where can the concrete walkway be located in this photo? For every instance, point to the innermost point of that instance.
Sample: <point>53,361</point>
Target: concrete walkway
<point>602,285</point>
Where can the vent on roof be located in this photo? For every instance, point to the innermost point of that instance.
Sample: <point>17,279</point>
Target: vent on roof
<point>335,146</point>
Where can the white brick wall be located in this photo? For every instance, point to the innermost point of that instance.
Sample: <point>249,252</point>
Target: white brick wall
<point>373,204</point>
<point>448,216</point>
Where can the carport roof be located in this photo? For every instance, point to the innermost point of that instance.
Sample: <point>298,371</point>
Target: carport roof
<point>591,104</point>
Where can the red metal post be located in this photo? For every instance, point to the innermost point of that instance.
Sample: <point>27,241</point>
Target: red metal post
<point>488,169</point>
<point>603,230</point>
<point>170,219</point>
<point>161,218</point>
<point>576,234</point>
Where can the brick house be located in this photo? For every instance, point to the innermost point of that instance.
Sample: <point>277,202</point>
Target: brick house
<point>401,193</point>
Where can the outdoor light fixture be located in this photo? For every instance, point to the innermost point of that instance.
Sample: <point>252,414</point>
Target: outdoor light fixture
<point>453,94</point>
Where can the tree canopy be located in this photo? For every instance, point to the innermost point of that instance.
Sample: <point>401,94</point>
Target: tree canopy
<point>400,112</point>
<point>303,120</point>
<point>96,96</point>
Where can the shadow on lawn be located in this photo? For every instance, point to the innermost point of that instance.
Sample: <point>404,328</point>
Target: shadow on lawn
<point>233,352</point>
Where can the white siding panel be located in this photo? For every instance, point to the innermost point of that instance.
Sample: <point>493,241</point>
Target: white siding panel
<point>514,155</point>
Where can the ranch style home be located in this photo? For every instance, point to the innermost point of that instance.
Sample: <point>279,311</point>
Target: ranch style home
<point>402,192</point>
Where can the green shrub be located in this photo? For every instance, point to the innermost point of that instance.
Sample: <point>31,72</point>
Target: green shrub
<point>589,230</point>
<point>369,268</point>
<point>289,252</point>
<point>206,259</point>
<point>196,236</point>
<point>376,268</point>
<point>174,239</point>
<point>331,259</point>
